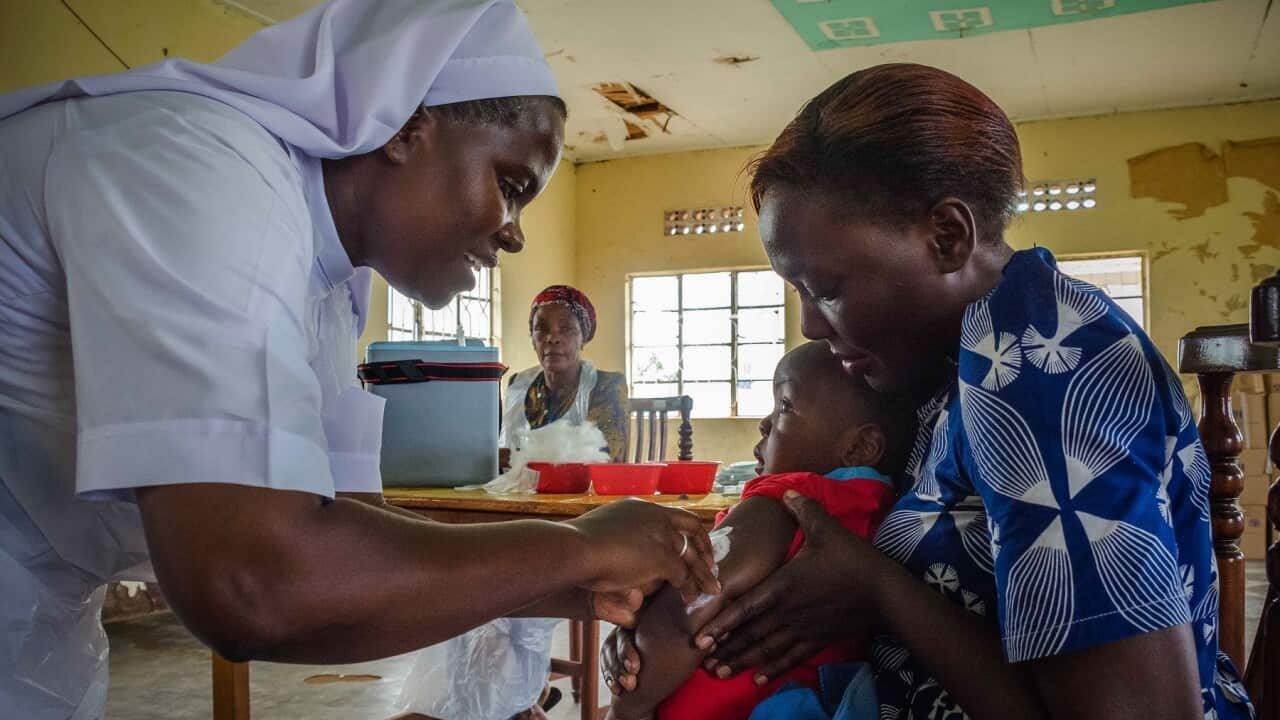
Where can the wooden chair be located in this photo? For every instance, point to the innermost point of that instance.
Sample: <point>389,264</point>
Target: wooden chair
<point>583,666</point>
<point>653,413</point>
<point>1215,355</point>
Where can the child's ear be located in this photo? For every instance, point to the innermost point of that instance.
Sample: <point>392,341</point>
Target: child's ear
<point>864,446</point>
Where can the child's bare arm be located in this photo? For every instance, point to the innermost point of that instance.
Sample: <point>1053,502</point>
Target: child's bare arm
<point>762,533</point>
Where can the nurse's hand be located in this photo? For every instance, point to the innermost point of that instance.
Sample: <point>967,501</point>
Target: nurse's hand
<point>617,608</point>
<point>636,544</point>
<point>827,591</point>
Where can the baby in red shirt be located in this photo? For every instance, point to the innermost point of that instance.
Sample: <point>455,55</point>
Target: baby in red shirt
<point>829,437</point>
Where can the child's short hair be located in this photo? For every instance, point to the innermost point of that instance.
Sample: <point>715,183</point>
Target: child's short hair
<point>895,413</point>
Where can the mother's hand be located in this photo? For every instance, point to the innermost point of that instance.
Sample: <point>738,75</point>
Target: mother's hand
<point>827,591</point>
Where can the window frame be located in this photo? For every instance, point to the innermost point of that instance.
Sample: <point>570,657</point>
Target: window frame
<point>420,335</point>
<point>1144,260</point>
<point>680,345</point>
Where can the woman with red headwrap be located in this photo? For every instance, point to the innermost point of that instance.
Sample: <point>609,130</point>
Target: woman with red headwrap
<point>563,385</point>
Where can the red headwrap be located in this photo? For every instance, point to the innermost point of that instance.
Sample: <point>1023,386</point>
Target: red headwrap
<point>575,300</point>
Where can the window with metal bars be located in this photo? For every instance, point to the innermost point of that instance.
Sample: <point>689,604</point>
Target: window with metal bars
<point>714,336</point>
<point>1121,277</point>
<point>472,311</point>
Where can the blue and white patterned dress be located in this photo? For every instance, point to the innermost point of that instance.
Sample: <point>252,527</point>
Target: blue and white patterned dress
<point>1060,489</point>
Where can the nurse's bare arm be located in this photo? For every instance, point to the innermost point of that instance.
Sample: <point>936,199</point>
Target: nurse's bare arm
<point>575,604</point>
<point>292,577</point>
<point>379,501</point>
<point>762,533</point>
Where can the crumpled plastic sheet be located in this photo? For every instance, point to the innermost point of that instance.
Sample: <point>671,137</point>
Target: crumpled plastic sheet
<point>488,673</point>
<point>54,663</point>
<point>559,442</point>
<point>719,551</point>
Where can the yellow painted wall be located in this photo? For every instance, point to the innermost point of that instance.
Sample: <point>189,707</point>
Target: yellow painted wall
<point>619,231</point>
<point>43,41</point>
<point>620,205</point>
<point>1189,285</point>
<point>548,259</point>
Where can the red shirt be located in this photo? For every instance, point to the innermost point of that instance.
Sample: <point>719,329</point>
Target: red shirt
<point>859,504</point>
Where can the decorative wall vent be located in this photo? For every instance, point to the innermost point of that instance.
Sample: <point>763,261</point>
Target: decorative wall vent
<point>1058,195</point>
<point>703,221</point>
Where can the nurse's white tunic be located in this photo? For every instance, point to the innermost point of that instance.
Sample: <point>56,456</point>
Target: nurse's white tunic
<point>175,307</point>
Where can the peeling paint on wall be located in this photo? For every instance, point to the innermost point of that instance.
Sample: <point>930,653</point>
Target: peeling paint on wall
<point>1261,272</point>
<point>1234,304</point>
<point>1190,175</point>
<point>1163,250</point>
<point>1266,224</point>
<point>1257,159</point>
<point>1202,253</point>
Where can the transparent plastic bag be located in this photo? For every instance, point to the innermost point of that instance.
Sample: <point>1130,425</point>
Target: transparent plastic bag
<point>560,442</point>
<point>53,664</point>
<point>489,673</point>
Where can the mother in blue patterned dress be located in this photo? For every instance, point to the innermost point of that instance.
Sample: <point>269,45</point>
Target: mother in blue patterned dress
<point>1051,556</point>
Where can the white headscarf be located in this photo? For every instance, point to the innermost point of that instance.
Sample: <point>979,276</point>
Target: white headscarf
<point>343,77</point>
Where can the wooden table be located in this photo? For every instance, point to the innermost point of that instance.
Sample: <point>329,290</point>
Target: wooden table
<point>231,680</point>
<point>475,506</point>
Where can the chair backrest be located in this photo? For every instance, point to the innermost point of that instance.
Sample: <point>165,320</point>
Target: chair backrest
<point>652,413</point>
<point>1215,355</point>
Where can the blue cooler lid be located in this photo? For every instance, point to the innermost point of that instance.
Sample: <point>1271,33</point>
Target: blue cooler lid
<point>400,346</point>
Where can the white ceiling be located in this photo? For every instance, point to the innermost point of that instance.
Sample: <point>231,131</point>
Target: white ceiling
<point>1216,52</point>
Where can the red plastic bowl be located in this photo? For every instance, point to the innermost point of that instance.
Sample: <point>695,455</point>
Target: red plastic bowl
<point>562,478</point>
<point>624,478</point>
<point>688,477</point>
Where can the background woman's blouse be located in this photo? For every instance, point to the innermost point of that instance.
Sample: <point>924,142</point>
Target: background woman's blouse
<point>1060,489</point>
<point>607,408</point>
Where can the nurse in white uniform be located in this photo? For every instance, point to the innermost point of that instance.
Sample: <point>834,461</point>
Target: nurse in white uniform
<point>184,270</point>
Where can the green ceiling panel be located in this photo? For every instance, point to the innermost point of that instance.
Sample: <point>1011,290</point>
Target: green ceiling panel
<point>827,24</point>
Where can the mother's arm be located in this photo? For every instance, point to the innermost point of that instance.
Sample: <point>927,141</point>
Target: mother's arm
<point>839,581</point>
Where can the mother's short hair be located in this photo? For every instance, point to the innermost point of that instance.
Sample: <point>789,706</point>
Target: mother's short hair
<point>888,142</point>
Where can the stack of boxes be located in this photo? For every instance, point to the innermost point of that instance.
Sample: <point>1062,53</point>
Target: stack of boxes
<point>1255,403</point>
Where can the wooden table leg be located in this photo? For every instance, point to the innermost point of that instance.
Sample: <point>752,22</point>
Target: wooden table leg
<point>1222,440</point>
<point>575,655</point>
<point>590,649</point>
<point>230,689</point>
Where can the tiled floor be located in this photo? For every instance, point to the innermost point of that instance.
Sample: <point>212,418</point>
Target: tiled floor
<point>160,672</point>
